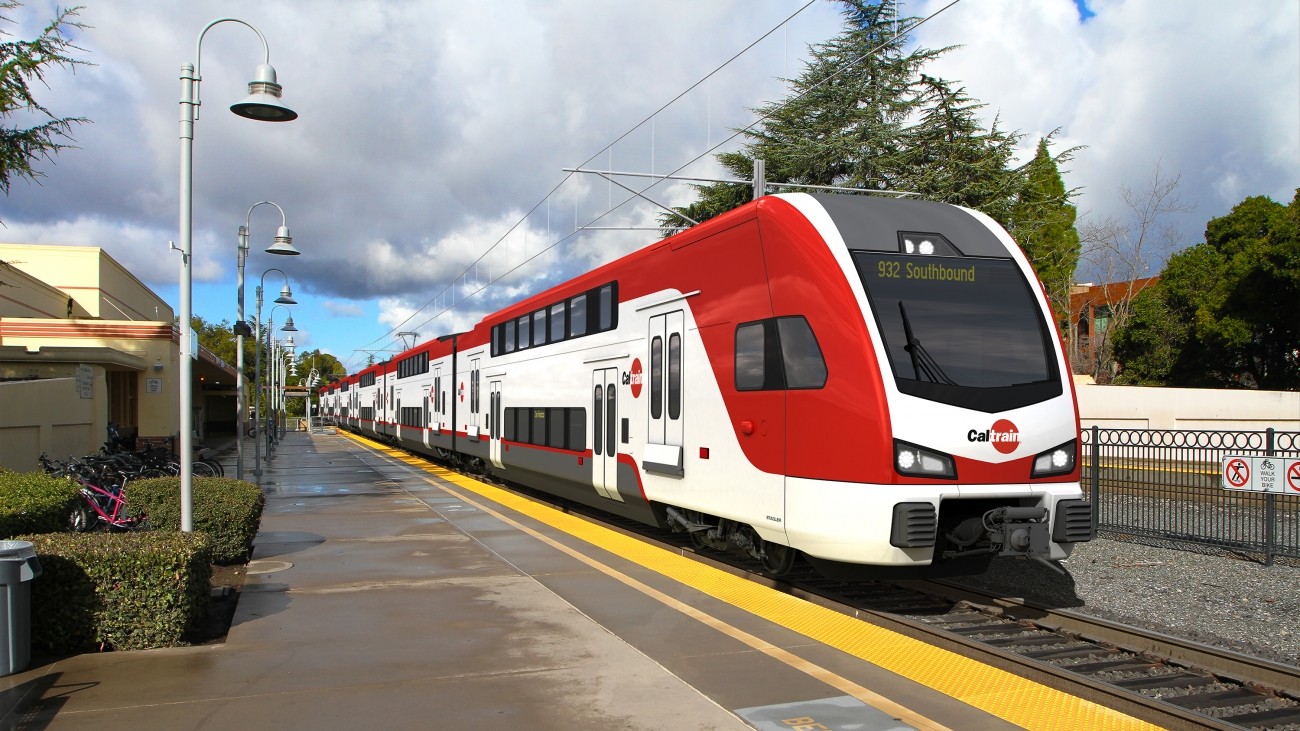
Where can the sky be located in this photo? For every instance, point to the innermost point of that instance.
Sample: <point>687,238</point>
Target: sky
<point>424,181</point>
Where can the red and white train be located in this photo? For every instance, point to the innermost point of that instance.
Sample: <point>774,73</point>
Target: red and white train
<point>875,383</point>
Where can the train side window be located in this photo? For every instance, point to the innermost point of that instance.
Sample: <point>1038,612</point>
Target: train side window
<point>577,440</point>
<point>578,316</point>
<point>675,376</point>
<point>539,327</point>
<point>524,339</point>
<point>539,432</point>
<point>509,424</point>
<point>521,426</point>
<point>557,322</point>
<point>555,428</point>
<point>598,421</point>
<point>611,413</point>
<point>801,356</point>
<point>606,308</point>
<point>656,377</point>
<point>510,337</point>
<point>750,350</point>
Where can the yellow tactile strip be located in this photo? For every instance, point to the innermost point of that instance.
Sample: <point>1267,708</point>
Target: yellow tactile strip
<point>1017,700</point>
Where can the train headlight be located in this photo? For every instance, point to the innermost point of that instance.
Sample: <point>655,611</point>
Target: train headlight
<point>1055,461</point>
<point>909,459</point>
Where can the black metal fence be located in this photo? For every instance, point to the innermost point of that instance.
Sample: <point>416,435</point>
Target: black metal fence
<point>1165,485</point>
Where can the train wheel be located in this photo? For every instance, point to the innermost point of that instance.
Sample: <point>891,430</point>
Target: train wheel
<point>705,538</point>
<point>778,559</point>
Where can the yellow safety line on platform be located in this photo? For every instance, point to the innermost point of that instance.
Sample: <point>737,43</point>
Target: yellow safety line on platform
<point>1017,700</point>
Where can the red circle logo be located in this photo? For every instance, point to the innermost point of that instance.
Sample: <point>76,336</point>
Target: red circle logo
<point>637,378</point>
<point>1005,436</point>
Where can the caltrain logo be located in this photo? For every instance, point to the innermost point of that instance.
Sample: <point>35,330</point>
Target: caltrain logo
<point>635,378</point>
<point>1004,436</point>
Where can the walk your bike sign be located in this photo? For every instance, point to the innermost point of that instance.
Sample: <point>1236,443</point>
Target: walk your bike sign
<point>1260,474</point>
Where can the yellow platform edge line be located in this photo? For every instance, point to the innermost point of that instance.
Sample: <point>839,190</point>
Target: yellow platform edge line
<point>1028,704</point>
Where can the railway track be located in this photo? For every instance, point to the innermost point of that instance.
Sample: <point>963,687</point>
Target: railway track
<point>1174,683</point>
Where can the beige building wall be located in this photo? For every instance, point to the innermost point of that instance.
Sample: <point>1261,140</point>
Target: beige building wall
<point>73,418</point>
<point>100,285</point>
<point>116,326</point>
<point>22,295</point>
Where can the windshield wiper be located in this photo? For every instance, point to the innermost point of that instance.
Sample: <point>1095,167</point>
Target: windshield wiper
<point>922,361</point>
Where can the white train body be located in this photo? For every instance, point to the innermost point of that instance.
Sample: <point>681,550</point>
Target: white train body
<point>872,382</point>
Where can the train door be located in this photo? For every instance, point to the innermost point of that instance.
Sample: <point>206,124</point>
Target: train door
<point>473,425</point>
<point>494,424</point>
<point>604,432</point>
<point>424,420</point>
<point>664,394</point>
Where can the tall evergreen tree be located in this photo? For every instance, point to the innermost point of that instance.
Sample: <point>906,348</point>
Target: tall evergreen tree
<point>844,122</point>
<point>22,64</point>
<point>863,115</point>
<point>1042,222</point>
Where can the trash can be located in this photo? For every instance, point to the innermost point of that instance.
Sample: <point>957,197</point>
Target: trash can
<point>18,566</point>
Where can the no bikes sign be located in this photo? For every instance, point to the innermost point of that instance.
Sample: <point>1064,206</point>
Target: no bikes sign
<point>1260,474</point>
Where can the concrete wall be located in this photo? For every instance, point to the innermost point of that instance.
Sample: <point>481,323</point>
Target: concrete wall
<point>1140,407</point>
<point>51,416</point>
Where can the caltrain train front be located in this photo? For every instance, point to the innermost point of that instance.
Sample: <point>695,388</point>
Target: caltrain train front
<point>957,438</point>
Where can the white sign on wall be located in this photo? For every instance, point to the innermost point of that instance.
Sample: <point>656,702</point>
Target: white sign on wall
<point>85,381</point>
<point>153,385</point>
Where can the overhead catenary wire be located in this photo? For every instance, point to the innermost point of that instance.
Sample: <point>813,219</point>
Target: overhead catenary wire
<point>607,149</point>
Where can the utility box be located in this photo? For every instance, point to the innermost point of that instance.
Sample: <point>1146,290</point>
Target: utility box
<point>18,566</point>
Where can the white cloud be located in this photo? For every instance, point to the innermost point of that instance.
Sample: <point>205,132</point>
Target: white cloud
<point>428,130</point>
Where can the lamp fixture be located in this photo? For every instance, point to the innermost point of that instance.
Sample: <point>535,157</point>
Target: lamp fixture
<point>263,100</point>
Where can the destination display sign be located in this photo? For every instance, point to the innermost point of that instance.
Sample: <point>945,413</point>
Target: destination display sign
<point>1253,473</point>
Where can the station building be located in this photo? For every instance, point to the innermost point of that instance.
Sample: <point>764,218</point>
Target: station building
<point>84,342</point>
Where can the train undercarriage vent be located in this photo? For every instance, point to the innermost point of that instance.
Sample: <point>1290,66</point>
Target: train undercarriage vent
<point>915,525</point>
<point>1073,521</point>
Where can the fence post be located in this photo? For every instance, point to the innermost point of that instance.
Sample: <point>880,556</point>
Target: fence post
<point>1094,478</point>
<point>1270,504</point>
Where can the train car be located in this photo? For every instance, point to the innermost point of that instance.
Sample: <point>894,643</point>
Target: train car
<point>875,383</point>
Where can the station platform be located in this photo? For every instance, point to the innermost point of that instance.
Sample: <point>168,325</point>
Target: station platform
<point>385,592</point>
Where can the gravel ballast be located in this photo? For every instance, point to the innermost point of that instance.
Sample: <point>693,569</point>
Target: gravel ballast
<point>1224,601</point>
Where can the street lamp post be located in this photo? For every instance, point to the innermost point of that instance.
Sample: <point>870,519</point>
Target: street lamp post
<point>283,245</point>
<point>285,298</point>
<point>273,366</point>
<point>263,103</point>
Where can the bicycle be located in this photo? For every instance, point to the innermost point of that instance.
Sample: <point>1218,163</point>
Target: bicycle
<point>99,504</point>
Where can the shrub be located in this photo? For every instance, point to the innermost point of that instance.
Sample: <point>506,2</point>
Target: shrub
<point>228,510</point>
<point>34,502</point>
<point>121,591</point>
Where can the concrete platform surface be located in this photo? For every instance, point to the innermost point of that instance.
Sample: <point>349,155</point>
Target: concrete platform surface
<point>383,596</point>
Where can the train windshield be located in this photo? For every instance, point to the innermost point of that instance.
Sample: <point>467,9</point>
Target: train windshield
<point>966,331</point>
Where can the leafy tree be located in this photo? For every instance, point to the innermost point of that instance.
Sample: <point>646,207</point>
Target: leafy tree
<point>22,64</point>
<point>1042,222</point>
<point>1125,251</point>
<point>1229,304</point>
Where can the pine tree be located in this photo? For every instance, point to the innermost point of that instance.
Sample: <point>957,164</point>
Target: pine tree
<point>863,115</point>
<point>21,64</point>
<point>1042,222</point>
<point>844,122</point>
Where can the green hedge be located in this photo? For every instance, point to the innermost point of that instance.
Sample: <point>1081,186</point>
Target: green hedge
<point>228,510</point>
<point>33,502</point>
<point>120,591</point>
